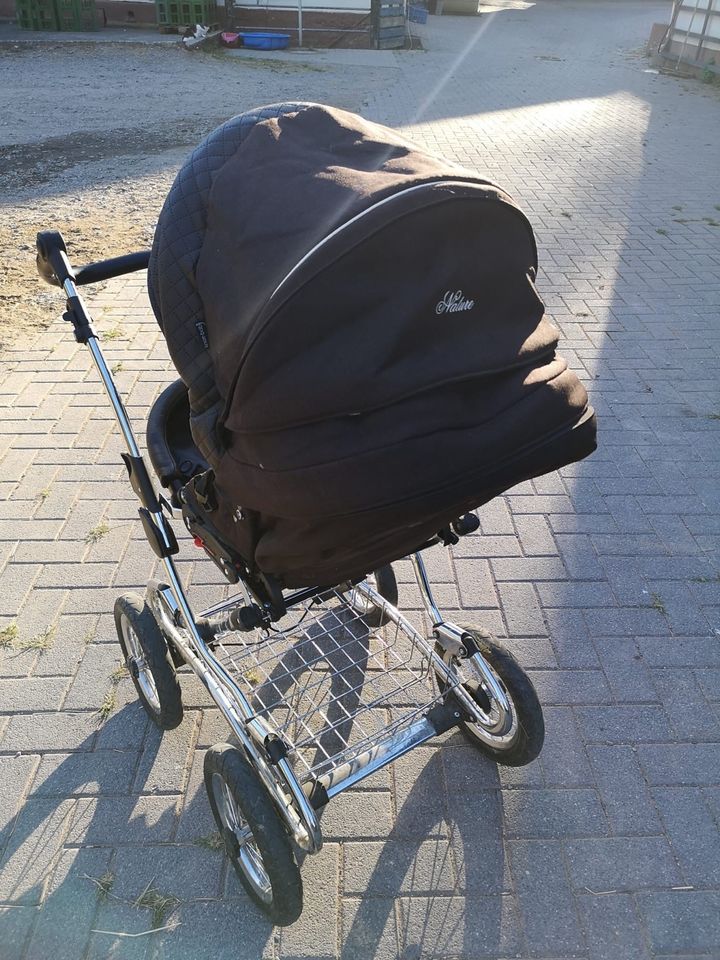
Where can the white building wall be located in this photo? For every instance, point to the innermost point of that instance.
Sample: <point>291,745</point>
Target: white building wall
<point>696,28</point>
<point>329,6</point>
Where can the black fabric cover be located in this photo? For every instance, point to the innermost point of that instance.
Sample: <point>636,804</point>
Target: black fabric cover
<point>366,354</point>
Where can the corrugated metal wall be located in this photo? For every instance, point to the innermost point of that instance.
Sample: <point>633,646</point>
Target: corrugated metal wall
<point>693,36</point>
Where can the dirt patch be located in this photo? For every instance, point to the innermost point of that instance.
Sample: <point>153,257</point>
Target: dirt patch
<point>92,134</point>
<point>26,303</point>
<point>103,208</point>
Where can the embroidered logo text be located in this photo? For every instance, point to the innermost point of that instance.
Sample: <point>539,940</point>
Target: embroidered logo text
<point>454,302</point>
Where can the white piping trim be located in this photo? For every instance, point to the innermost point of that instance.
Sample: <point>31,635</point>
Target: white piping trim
<point>358,216</point>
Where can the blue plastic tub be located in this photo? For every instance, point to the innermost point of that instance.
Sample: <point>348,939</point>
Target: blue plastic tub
<point>418,14</point>
<point>265,41</point>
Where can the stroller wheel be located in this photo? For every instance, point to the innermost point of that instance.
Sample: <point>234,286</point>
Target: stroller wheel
<point>384,581</point>
<point>513,739</point>
<point>148,660</point>
<point>256,840</point>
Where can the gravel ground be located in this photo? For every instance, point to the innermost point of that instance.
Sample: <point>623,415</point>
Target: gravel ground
<point>92,134</point>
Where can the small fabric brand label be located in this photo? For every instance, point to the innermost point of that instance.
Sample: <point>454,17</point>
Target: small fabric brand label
<point>454,302</point>
<point>202,332</point>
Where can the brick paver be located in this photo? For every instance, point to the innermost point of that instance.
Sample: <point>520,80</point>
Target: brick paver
<point>604,578</point>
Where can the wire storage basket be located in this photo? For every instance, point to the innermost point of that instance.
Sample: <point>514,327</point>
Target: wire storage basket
<point>330,685</point>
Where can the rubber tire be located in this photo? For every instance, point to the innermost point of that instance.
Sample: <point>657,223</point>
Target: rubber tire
<point>531,726</point>
<point>268,830</point>
<point>157,655</point>
<point>386,586</point>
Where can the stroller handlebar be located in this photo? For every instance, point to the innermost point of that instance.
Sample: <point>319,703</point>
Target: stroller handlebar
<point>54,266</point>
<point>115,267</point>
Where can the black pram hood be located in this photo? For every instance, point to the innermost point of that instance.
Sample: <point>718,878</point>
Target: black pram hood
<point>249,204</point>
<point>358,326</point>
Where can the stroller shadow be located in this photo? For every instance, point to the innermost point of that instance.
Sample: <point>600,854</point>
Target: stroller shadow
<point>88,779</point>
<point>445,844</point>
<point>319,682</point>
<point>443,848</point>
<point>90,837</point>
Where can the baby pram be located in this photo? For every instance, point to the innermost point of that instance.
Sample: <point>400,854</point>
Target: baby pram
<point>322,682</point>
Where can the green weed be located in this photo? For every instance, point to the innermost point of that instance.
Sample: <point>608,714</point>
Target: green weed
<point>97,532</point>
<point>8,636</point>
<point>159,903</point>
<point>213,841</point>
<point>715,579</point>
<point>108,705</point>
<point>105,884</point>
<point>109,701</point>
<point>708,75</point>
<point>120,672</point>
<point>41,641</point>
<point>657,603</point>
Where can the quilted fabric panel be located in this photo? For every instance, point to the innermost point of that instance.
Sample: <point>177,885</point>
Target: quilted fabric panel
<point>176,247</point>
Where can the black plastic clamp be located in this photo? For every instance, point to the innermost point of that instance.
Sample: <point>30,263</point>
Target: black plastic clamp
<point>82,324</point>
<point>447,538</point>
<point>316,794</point>
<point>444,716</point>
<point>275,748</point>
<point>160,535</point>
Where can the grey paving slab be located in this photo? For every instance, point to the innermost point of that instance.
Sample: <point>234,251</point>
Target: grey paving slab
<point>682,920</point>
<point>369,928</point>
<point>438,927</point>
<point>603,578</point>
<point>550,921</point>
<point>63,926</point>
<point>624,791</point>
<point>613,927</point>
<point>554,813</point>
<point>693,833</point>
<point>33,850</point>
<point>621,863</point>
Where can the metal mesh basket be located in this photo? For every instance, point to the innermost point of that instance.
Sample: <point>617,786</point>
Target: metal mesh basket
<point>330,685</point>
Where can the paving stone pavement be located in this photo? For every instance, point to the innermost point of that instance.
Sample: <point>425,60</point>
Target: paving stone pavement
<point>603,578</point>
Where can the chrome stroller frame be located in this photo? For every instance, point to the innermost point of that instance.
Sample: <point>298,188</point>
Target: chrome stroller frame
<point>394,687</point>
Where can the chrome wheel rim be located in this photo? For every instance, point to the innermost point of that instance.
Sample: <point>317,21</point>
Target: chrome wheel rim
<point>495,727</point>
<point>138,665</point>
<point>247,855</point>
